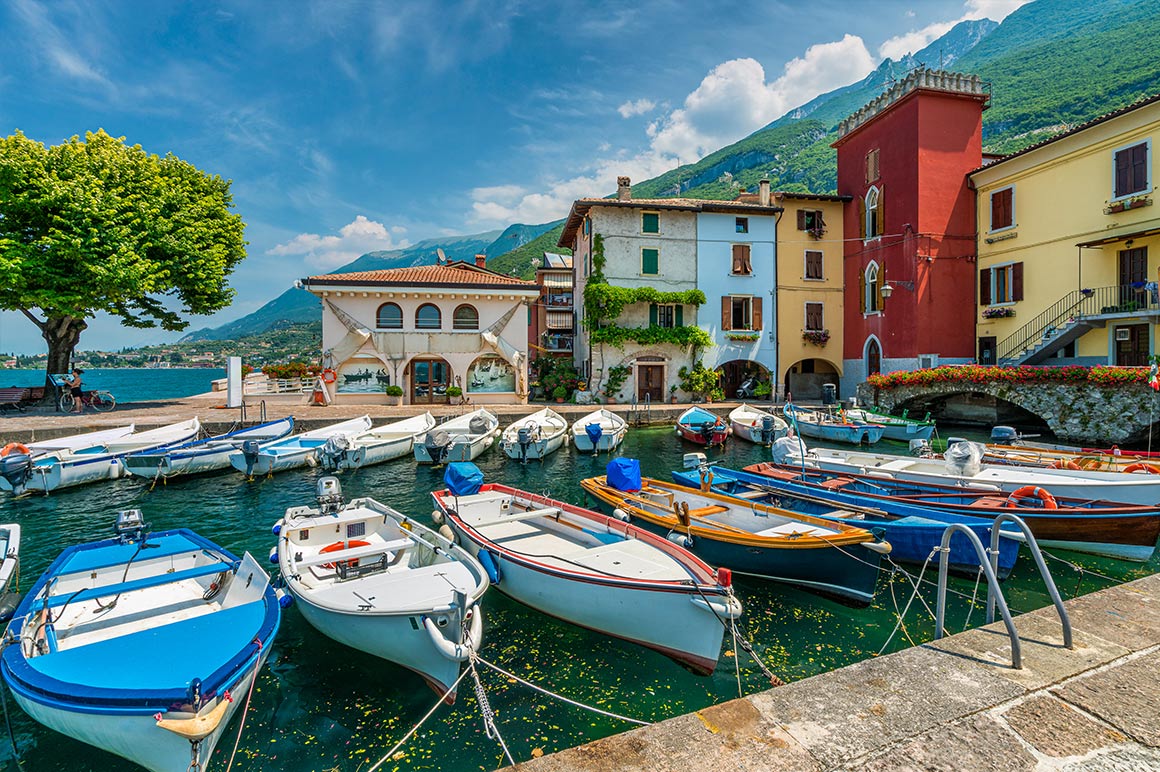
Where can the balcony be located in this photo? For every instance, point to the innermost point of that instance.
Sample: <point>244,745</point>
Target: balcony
<point>556,343</point>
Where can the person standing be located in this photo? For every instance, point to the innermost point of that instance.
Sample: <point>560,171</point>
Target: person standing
<point>74,386</point>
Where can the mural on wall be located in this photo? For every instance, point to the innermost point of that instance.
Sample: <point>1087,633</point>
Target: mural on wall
<point>490,374</point>
<point>362,375</point>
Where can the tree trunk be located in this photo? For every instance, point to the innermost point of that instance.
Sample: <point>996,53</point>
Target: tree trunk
<point>62,333</point>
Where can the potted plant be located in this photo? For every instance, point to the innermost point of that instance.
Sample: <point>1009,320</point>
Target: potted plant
<point>763,390</point>
<point>394,394</point>
<point>673,394</point>
<point>616,377</point>
<point>455,394</point>
<point>560,393</point>
<point>699,381</point>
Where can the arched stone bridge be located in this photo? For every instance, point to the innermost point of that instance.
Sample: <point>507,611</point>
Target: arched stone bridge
<point>1085,413</point>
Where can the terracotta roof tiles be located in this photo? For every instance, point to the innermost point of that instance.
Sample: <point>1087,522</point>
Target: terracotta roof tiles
<point>457,274</point>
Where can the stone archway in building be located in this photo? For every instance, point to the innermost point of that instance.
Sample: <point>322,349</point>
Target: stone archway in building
<point>429,378</point>
<point>736,372</point>
<point>872,355</point>
<point>804,379</point>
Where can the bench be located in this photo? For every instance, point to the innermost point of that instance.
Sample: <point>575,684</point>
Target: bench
<point>354,553</point>
<point>515,517</point>
<point>143,583</point>
<point>12,398</point>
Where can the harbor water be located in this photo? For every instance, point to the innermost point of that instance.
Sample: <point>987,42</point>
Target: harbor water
<point>131,384</point>
<point>321,706</point>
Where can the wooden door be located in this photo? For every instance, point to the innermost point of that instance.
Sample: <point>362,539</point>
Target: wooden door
<point>1132,345</point>
<point>873,358</point>
<point>1133,271</point>
<point>650,381</point>
<point>987,347</point>
<point>429,381</point>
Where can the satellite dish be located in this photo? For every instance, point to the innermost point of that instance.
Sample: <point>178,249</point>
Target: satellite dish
<point>442,259</point>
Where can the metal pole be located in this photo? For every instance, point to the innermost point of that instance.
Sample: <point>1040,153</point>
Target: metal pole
<point>1052,590</point>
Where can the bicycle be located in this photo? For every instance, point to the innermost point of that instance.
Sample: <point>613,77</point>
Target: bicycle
<point>98,399</point>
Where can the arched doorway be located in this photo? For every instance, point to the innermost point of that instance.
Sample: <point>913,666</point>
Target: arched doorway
<point>738,372</point>
<point>873,356</point>
<point>805,378</point>
<point>429,380</point>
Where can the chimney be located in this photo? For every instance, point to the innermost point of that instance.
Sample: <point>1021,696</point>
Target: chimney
<point>481,261</point>
<point>763,192</point>
<point>623,189</point>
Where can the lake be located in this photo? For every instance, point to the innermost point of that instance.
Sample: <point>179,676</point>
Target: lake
<point>131,384</point>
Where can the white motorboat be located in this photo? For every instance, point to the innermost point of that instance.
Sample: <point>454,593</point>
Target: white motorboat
<point>77,442</point>
<point>595,571</point>
<point>143,645</point>
<point>535,436</point>
<point>755,425</point>
<point>21,472</point>
<point>599,431</point>
<point>210,454</point>
<point>460,439</point>
<point>376,445</point>
<point>292,452</point>
<point>9,556</point>
<point>380,582</point>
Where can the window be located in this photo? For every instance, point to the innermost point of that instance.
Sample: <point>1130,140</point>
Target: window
<point>814,264</point>
<point>465,318</point>
<point>872,224</point>
<point>810,220</point>
<point>1003,209</point>
<point>1130,166</point>
<point>741,264</point>
<point>742,225</point>
<point>740,312</point>
<point>650,261</point>
<point>872,170</point>
<point>666,315</point>
<point>650,222</point>
<point>871,299</point>
<point>389,317</point>
<point>1001,284</point>
<point>814,317</point>
<point>427,317</point>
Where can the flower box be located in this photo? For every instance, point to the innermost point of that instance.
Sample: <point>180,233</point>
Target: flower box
<point>743,336</point>
<point>816,337</point>
<point>998,313</point>
<point>1124,206</point>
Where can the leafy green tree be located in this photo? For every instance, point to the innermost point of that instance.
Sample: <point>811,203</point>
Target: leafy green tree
<point>98,225</point>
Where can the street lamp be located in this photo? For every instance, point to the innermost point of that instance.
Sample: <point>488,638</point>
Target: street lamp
<point>886,291</point>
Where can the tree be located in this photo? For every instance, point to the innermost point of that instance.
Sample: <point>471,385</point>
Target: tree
<point>97,225</point>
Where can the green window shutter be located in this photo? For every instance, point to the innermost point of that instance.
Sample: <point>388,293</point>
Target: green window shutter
<point>680,316</point>
<point>650,222</point>
<point>650,261</point>
<point>652,314</point>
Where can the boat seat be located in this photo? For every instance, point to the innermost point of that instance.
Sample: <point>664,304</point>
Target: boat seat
<point>776,474</point>
<point>989,502</point>
<point>143,583</point>
<point>354,553</point>
<point>835,484</point>
<point>713,509</point>
<point>843,514</point>
<point>86,561</point>
<point>751,495</point>
<point>514,517</point>
<point>800,529</point>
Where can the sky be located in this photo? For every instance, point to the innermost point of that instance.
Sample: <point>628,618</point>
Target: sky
<point>348,127</point>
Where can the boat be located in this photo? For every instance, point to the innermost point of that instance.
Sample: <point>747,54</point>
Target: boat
<point>832,558</point>
<point>591,570</point>
<point>460,439</point>
<point>901,428</point>
<point>76,442</point>
<point>210,454</point>
<point>535,436</point>
<point>9,569</point>
<point>754,425</point>
<point>374,579</point>
<point>1111,529</point>
<point>375,445</point>
<point>1061,483</point>
<point>292,452</point>
<point>831,427</point>
<point>143,645</point>
<point>913,532</point>
<point>599,431</point>
<point>702,427</point>
<point>20,472</point>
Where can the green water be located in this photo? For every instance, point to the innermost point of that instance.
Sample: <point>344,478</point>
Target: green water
<point>321,706</point>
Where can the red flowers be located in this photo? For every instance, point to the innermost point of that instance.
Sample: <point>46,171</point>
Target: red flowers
<point>1100,374</point>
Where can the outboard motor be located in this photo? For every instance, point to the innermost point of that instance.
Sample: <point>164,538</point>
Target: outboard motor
<point>477,425</point>
<point>330,501</point>
<point>250,451</point>
<point>524,438</point>
<point>920,448</point>
<point>438,444</point>
<point>16,468</point>
<point>334,451</point>
<point>707,431</point>
<point>767,430</point>
<point>1004,435</point>
<point>594,431</point>
<point>131,526</point>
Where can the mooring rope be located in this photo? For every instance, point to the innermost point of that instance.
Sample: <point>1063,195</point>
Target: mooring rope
<point>490,728</point>
<point>246,707</point>
<point>974,596</point>
<point>417,726</point>
<point>914,594</point>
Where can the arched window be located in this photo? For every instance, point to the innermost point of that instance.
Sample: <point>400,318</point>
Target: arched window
<point>871,301</point>
<point>873,213</point>
<point>389,317</point>
<point>427,317</point>
<point>872,356</point>
<point>465,318</point>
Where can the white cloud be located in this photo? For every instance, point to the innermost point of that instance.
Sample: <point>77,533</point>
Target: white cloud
<point>356,239</point>
<point>639,107</point>
<point>916,40</point>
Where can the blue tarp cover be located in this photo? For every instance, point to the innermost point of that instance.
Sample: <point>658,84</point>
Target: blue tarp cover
<point>624,474</point>
<point>463,478</point>
<point>594,431</point>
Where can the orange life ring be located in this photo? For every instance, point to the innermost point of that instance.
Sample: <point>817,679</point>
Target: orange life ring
<point>1064,463</point>
<point>329,375</point>
<point>342,545</point>
<point>1140,467</point>
<point>1032,491</point>
<point>14,447</point>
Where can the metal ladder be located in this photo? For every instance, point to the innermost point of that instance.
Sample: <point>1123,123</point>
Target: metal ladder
<point>261,412</point>
<point>989,560</point>
<point>634,415</point>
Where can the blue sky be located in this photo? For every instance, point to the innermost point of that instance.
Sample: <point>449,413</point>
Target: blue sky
<point>353,126</point>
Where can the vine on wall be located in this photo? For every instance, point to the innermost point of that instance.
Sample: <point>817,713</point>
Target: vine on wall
<point>647,336</point>
<point>605,302</point>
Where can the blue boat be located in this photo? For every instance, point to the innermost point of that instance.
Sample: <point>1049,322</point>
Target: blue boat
<point>209,454</point>
<point>832,427</point>
<point>142,645</point>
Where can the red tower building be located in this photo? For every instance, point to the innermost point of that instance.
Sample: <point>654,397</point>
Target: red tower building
<point>909,265</point>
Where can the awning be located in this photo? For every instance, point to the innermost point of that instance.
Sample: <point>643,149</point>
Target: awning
<point>1113,238</point>
<point>559,320</point>
<point>557,280</point>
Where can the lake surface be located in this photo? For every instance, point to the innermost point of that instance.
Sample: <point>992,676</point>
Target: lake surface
<point>321,706</point>
<point>131,384</point>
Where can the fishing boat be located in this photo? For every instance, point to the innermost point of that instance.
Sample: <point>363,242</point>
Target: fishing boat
<point>896,427</point>
<point>832,558</point>
<point>210,454</point>
<point>831,427</point>
<point>376,580</point>
<point>292,452</point>
<point>591,570</point>
<point>754,425</point>
<point>143,645</point>
<point>50,471</point>
<point>535,436</point>
<point>599,431</point>
<point>375,445</point>
<point>1111,529</point>
<point>460,439</point>
<point>702,427</point>
<point>913,532</point>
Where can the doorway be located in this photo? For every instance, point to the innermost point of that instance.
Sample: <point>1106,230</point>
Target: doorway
<point>873,357</point>
<point>1133,274</point>
<point>1132,345</point>
<point>650,382</point>
<point>987,348</point>
<point>429,381</point>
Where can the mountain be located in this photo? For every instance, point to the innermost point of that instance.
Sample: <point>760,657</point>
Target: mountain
<point>518,262</point>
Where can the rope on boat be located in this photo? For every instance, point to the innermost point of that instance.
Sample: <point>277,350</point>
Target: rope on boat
<point>974,596</point>
<point>422,721</point>
<point>913,595</point>
<point>489,726</point>
<point>8,640</point>
<point>736,660</point>
<point>897,611</point>
<point>246,707</point>
<point>1079,569</point>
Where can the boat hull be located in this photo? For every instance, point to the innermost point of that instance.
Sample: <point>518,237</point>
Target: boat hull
<point>751,433</point>
<point>170,465</point>
<point>718,437</point>
<point>608,441</point>
<point>907,432</point>
<point>853,434</point>
<point>372,453</point>
<point>461,449</point>
<point>536,450</point>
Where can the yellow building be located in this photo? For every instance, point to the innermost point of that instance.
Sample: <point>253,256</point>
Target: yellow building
<point>809,292</point>
<point>1069,246</point>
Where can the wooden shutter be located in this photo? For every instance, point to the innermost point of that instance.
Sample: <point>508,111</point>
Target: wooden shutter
<point>650,261</point>
<point>813,316</point>
<point>862,291</point>
<point>755,312</point>
<point>1017,281</point>
<point>880,215</point>
<point>652,314</point>
<point>862,218</point>
<point>814,264</point>
<point>679,316</point>
<point>739,258</point>
<point>726,312</point>
<point>801,217</point>
<point>1123,172</point>
<point>985,287</point>
<point>1139,168</point>
<point>881,279</point>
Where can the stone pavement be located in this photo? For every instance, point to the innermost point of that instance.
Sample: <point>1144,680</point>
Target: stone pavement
<point>954,704</point>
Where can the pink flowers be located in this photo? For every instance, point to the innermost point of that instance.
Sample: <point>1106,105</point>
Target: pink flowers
<point>1100,374</point>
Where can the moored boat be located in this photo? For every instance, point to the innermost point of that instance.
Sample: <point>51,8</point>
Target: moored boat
<point>143,645</point>
<point>9,566</point>
<point>755,425</point>
<point>895,427</point>
<point>599,431</point>
<point>292,452</point>
<point>210,454</point>
<point>535,436</point>
<point>375,445</point>
<point>831,427</point>
<point>460,439</point>
<point>76,442</point>
<point>702,427</point>
<point>376,580</point>
<point>595,571</point>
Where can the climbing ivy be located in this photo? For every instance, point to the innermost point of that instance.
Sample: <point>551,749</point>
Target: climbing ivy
<point>652,335</point>
<point>605,302</point>
<point>597,258</point>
